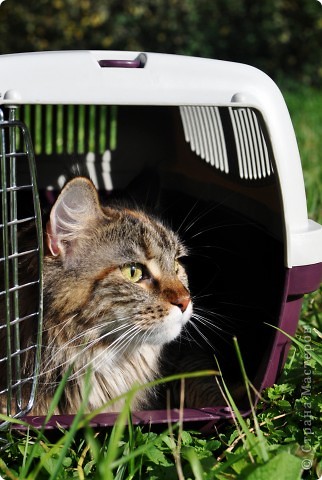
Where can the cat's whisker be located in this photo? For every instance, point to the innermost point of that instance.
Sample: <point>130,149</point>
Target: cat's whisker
<point>137,338</point>
<point>95,341</point>
<point>80,351</point>
<point>72,360</point>
<point>201,317</point>
<point>58,333</point>
<point>221,332</point>
<point>186,217</point>
<point>195,298</point>
<point>53,327</point>
<point>109,351</point>
<point>202,336</point>
<point>204,213</point>
<point>194,252</point>
<point>122,340</point>
<point>146,335</point>
<point>98,329</point>
<point>186,335</point>
<point>206,322</point>
<point>218,316</point>
<point>217,227</point>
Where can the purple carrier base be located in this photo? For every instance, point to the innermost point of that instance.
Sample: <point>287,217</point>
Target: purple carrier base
<point>298,281</point>
<point>203,419</point>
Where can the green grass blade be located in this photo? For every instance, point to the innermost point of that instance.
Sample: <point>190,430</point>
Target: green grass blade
<point>297,342</point>
<point>63,444</point>
<point>74,426</point>
<point>251,443</point>
<point>262,450</point>
<point>194,462</point>
<point>51,410</point>
<point>154,383</point>
<point>106,467</point>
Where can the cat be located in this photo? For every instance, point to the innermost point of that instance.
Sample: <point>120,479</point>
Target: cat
<point>115,292</point>
<point>117,301</point>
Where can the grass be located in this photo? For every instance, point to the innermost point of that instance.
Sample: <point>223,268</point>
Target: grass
<point>282,439</point>
<point>305,106</point>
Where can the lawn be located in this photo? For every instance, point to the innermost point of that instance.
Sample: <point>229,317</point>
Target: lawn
<point>282,440</point>
<point>305,107</point>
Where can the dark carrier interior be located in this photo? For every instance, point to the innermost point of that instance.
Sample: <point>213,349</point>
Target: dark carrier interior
<point>228,213</point>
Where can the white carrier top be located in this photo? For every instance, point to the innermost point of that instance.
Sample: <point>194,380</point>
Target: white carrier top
<point>133,78</point>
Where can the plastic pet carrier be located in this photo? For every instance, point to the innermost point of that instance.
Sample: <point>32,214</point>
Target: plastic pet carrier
<point>220,140</point>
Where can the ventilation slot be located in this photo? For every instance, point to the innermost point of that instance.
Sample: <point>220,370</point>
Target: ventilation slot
<point>230,139</point>
<point>204,131</point>
<point>71,129</point>
<point>252,153</point>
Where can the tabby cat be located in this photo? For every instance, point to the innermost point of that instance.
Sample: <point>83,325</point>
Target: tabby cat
<point>115,294</point>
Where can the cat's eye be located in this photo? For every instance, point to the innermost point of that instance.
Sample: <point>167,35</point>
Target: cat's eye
<point>132,272</point>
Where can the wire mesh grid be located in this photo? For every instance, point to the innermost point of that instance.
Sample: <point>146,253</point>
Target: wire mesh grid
<point>20,289</point>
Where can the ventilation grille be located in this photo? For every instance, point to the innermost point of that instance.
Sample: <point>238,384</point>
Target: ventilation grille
<point>252,153</point>
<point>231,139</point>
<point>203,130</point>
<point>71,129</point>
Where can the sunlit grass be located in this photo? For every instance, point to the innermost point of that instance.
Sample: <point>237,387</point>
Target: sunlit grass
<point>305,106</point>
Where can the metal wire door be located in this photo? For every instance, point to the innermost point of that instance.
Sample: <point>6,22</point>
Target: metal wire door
<point>17,391</point>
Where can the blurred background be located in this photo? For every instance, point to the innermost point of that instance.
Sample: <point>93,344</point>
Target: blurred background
<point>281,37</point>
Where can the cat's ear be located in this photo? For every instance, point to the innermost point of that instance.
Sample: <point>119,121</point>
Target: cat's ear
<point>75,211</point>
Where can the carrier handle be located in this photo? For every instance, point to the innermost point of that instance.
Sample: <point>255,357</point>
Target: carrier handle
<point>138,62</point>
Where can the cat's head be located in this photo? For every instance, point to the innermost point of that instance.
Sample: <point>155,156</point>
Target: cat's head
<point>116,271</point>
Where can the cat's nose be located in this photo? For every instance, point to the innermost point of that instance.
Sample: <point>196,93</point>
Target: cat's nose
<point>182,303</point>
<point>179,299</point>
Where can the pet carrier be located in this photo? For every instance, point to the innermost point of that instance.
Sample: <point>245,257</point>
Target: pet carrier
<point>220,138</point>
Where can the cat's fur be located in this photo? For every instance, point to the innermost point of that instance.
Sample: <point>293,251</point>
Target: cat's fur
<point>96,317</point>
